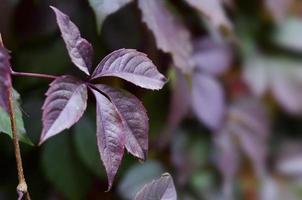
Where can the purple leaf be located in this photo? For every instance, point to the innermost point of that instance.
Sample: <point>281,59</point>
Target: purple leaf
<point>208,100</point>
<point>213,10</point>
<point>65,103</point>
<point>211,57</point>
<point>134,119</point>
<point>227,160</point>
<point>255,74</point>
<point>281,75</point>
<point>132,66</point>
<point>79,49</point>
<point>160,189</point>
<point>250,124</point>
<point>5,78</point>
<point>104,8</point>
<point>110,135</point>
<point>170,34</point>
<point>180,102</point>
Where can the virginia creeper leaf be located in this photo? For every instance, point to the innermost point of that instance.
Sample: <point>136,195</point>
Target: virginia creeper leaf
<point>65,103</point>
<point>63,169</point>
<point>86,145</point>
<point>104,8</point>
<point>5,79</point>
<point>211,57</point>
<point>287,34</point>
<point>160,189</point>
<point>170,34</point>
<point>137,176</point>
<point>5,124</point>
<point>213,10</point>
<point>280,75</point>
<point>110,135</point>
<point>278,8</point>
<point>134,119</point>
<point>79,49</point>
<point>208,100</point>
<point>180,101</point>
<point>132,66</point>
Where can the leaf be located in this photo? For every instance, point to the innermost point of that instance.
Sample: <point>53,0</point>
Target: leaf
<point>132,66</point>
<point>63,169</point>
<point>138,175</point>
<point>104,8</point>
<point>180,101</point>
<point>64,105</point>
<point>5,79</point>
<point>250,124</point>
<point>79,49</point>
<point>281,75</point>
<point>134,119</point>
<point>110,135</point>
<point>160,189</point>
<point>211,57</point>
<point>279,9</point>
<point>86,146</point>
<point>170,34</point>
<point>208,100</point>
<point>5,124</point>
<point>287,34</point>
<point>213,10</point>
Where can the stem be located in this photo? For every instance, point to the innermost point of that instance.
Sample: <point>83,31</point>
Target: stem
<point>22,186</point>
<point>33,75</point>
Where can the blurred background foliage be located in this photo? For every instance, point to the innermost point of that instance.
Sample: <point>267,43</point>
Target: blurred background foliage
<point>267,38</point>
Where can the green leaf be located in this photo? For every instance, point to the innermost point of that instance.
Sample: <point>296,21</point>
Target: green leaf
<point>288,34</point>
<point>86,146</point>
<point>137,176</point>
<point>5,125</point>
<point>63,169</point>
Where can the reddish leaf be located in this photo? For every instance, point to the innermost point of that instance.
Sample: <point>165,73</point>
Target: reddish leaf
<point>211,57</point>
<point>79,49</point>
<point>110,135</point>
<point>213,10</point>
<point>132,66</point>
<point>160,189</point>
<point>5,79</point>
<point>170,34</point>
<point>208,100</point>
<point>64,105</point>
<point>134,119</point>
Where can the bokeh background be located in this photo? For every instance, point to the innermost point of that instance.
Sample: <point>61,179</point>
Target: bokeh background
<point>255,153</point>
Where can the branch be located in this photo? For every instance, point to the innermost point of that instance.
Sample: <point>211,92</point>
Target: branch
<point>22,186</point>
<point>33,75</point>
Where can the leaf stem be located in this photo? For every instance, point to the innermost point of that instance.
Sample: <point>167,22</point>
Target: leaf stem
<point>33,75</point>
<point>22,186</point>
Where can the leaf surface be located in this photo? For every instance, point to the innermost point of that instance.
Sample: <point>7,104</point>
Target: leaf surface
<point>79,49</point>
<point>213,10</point>
<point>64,105</point>
<point>160,189</point>
<point>110,135</point>
<point>170,34</point>
<point>134,119</point>
<point>211,57</point>
<point>133,66</point>
<point>104,8</point>
<point>208,100</point>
